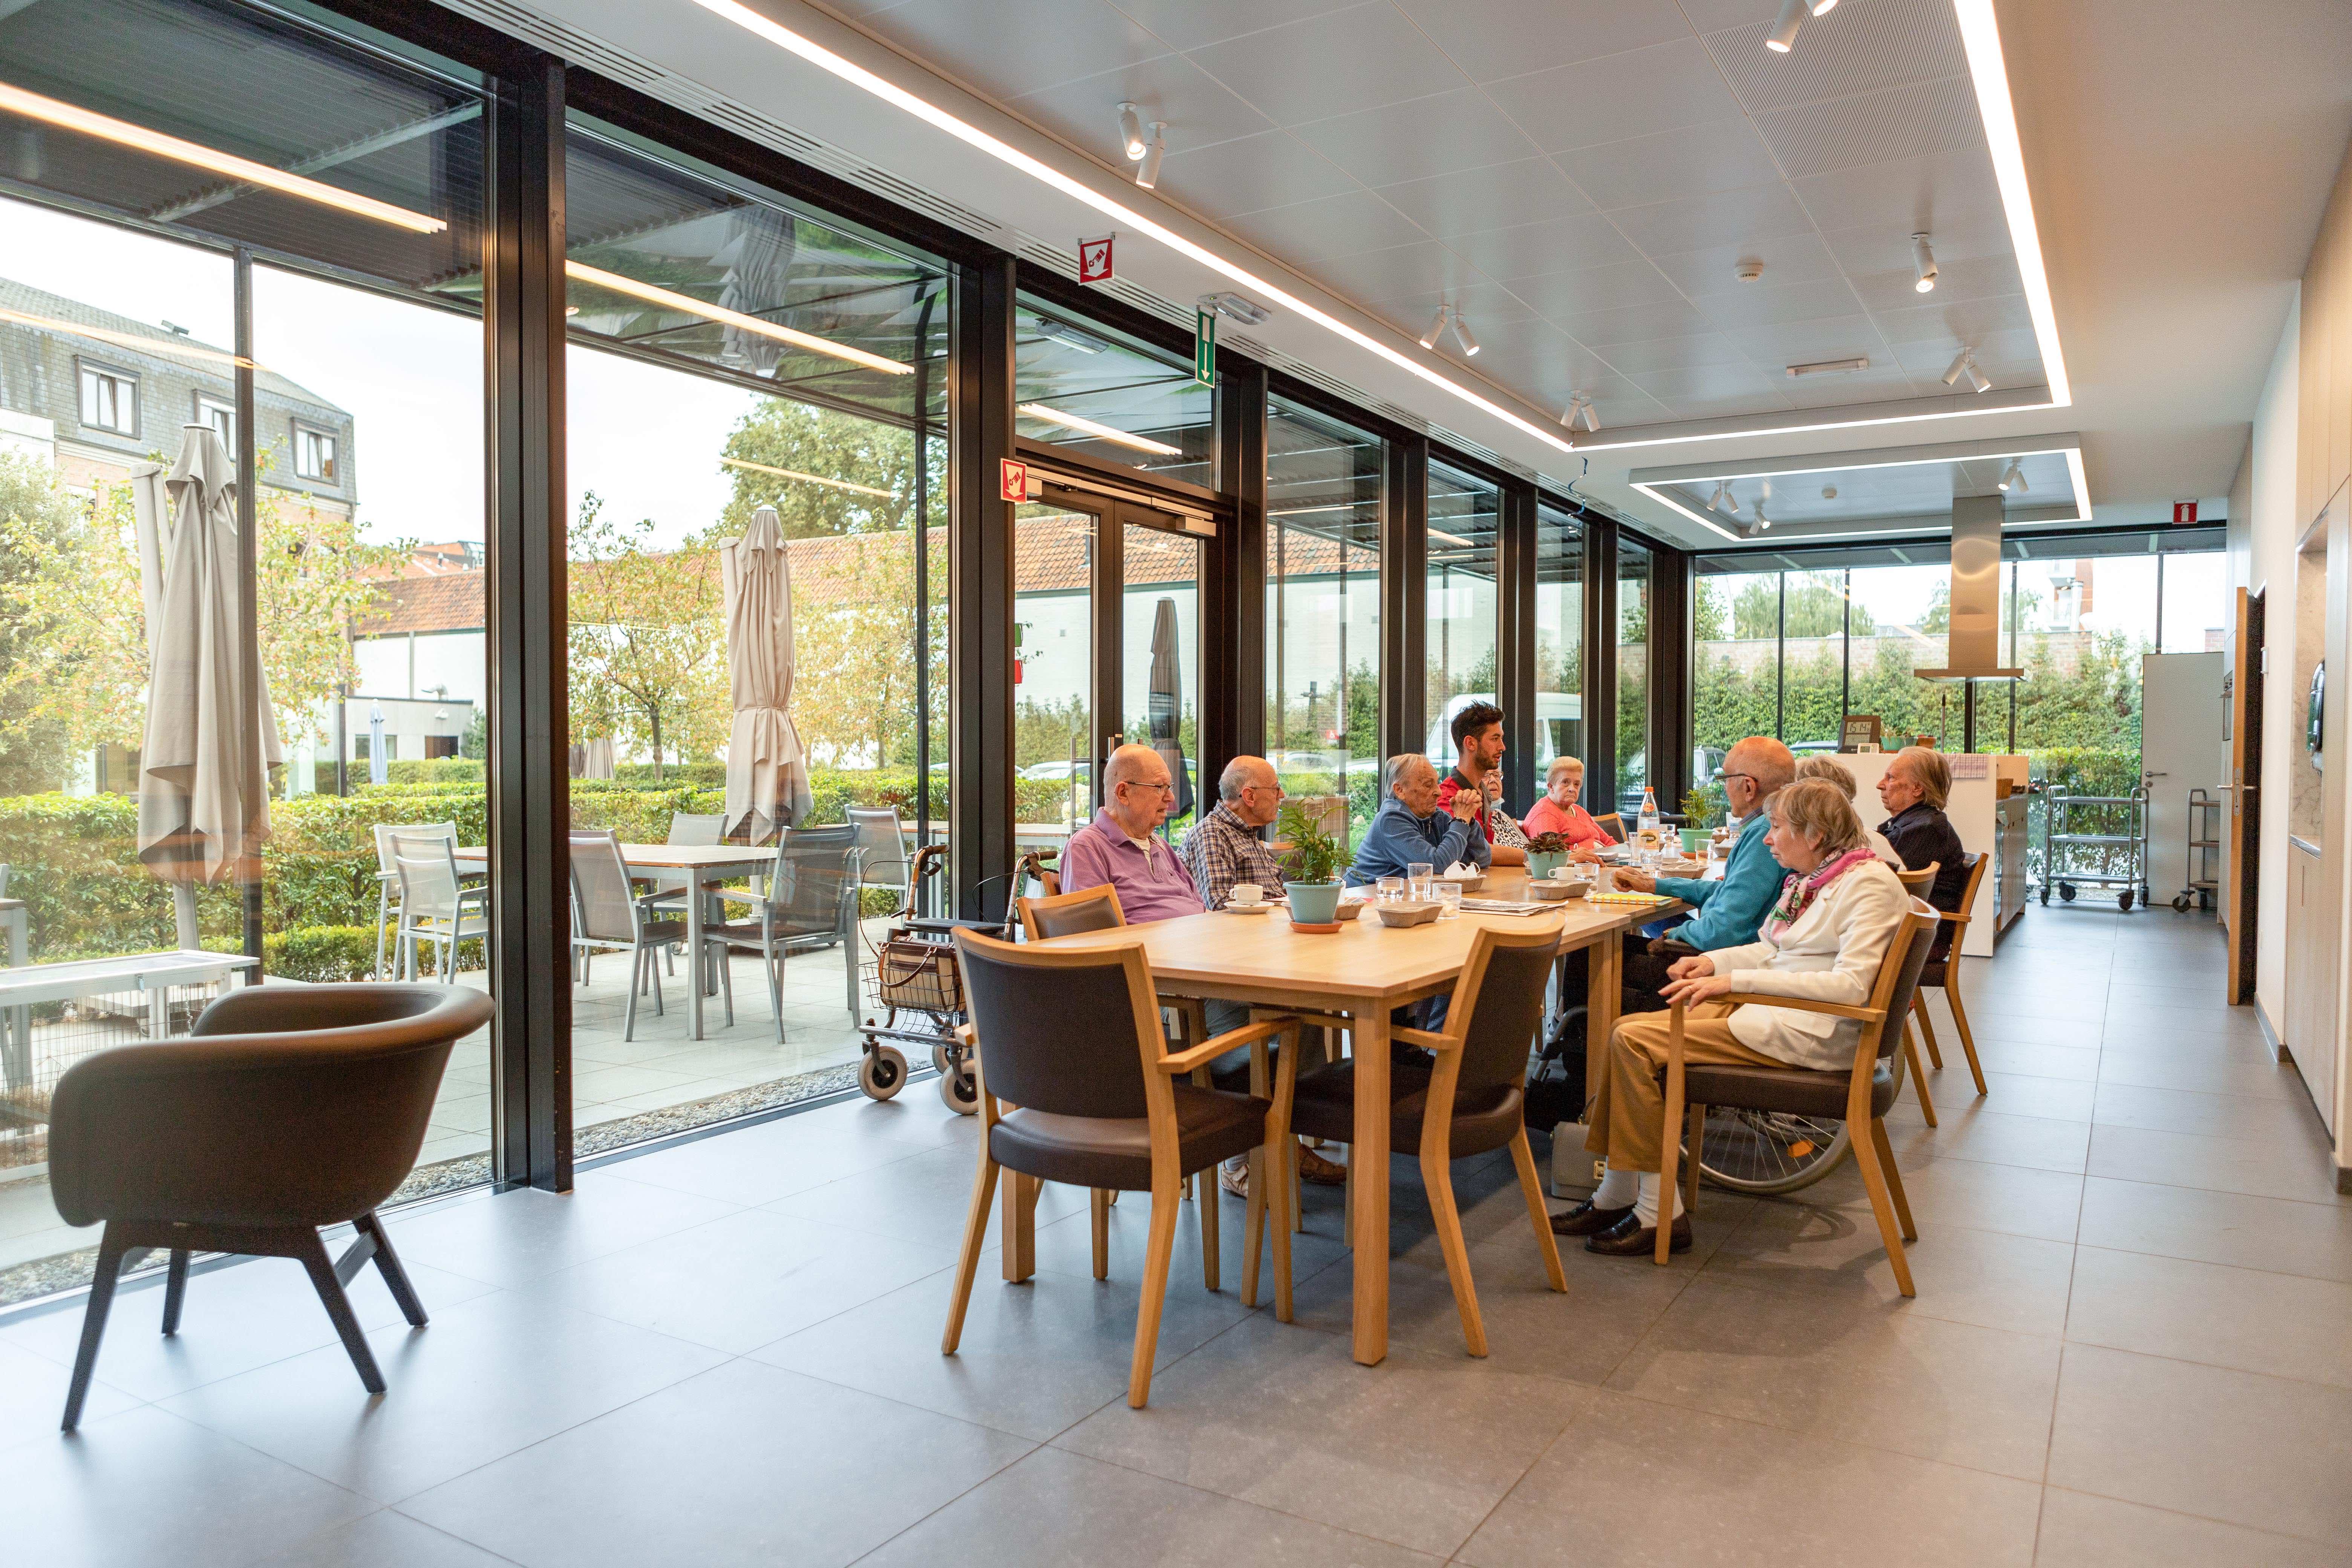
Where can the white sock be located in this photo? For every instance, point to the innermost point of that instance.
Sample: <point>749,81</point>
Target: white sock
<point>1615,1191</point>
<point>1645,1202</point>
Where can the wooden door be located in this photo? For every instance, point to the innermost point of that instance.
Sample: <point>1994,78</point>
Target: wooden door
<point>2242,871</point>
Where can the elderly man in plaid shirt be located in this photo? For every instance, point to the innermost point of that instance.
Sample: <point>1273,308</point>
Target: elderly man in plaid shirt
<point>1223,848</point>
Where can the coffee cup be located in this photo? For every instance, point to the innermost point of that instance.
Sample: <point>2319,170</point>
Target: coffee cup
<point>1562,874</point>
<point>1247,894</point>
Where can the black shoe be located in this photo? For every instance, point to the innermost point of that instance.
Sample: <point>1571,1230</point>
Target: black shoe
<point>1586,1220</point>
<point>1629,1238</point>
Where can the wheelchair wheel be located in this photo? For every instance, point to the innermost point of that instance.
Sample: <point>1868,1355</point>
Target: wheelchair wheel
<point>1769,1151</point>
<point>883,1072</point>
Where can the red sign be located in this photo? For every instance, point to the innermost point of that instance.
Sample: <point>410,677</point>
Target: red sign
<point>2184,511</point>
<point>1093,259</point>
<point>1011,480</point>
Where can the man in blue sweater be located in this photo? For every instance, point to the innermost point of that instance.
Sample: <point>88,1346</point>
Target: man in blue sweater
<point>1731,910</point>
<point>1410,827</point>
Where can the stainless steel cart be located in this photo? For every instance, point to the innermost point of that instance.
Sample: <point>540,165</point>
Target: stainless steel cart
<point>2204,862</point>
<point>2099,841</point>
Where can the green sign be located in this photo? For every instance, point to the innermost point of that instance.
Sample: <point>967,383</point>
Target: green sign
<point>1204,346</point>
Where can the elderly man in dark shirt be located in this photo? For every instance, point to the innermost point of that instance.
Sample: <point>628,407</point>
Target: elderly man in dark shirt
<point>1914,789</point>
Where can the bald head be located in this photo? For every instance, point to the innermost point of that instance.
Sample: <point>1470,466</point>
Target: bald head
<point>1250,790</point>
<point>1136,789</point>
<point>1754,770</point>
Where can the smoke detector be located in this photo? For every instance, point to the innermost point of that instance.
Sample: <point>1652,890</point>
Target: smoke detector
<point>1829,492</point>
<point>1748,270</point>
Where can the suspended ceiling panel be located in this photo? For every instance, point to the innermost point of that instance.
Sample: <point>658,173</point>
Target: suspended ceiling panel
<point>1853,495</point>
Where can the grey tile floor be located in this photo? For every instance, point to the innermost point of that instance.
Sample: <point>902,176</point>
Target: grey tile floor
<point>2132,1344</point>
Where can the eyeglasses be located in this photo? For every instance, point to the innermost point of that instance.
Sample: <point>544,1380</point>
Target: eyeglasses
<point>1749,777</point>
<point>1139,784</point>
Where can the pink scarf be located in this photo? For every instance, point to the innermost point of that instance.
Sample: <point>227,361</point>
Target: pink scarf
<point>1798,893</point>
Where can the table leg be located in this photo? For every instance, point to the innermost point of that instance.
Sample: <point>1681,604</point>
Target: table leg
<point>1368,1158</point>
<point>1605,980</point>
<point>694,951</point>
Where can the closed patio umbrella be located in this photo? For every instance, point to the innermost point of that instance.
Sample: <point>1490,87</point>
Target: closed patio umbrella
<point>1164,704</point>
<point>766,774</point>
<point>203,782</point>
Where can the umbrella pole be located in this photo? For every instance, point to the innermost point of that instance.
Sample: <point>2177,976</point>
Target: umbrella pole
<point>184,912</point>
<point>254,790</point>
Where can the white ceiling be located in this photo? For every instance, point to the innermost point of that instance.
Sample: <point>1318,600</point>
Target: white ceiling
<point>1912,497</point>
<point>2180,153</point>
<point>1579,177</point>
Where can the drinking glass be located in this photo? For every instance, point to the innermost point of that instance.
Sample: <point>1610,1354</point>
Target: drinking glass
<point>1449,900</point>
<point>1392,888</point>
<point>1416,877</point>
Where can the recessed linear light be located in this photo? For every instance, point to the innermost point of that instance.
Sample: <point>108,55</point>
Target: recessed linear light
<point>1125,216</point>
<point>168,348</point>
<point>1452,539</point>
<point>33,106</point>
<point>1106,432</point>
<point>1659,484</point>
<point>1130,131</point>
<point>808,479</point>
<point>1923,265</point>
<point>1147,174</point>
<point>596,277</point>
<point>1830,366</point>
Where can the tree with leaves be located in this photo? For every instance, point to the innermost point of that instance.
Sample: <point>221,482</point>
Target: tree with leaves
<point>800,438</point>
<point>648,646</point>
<point>854,651</point>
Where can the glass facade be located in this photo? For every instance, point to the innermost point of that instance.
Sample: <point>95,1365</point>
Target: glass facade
<point>1324,487</point>
<point>1560,639</point>
<point>1081,385</point>
<point>1463,530</point>
<point>1633,587</point>
<point>286,381</point>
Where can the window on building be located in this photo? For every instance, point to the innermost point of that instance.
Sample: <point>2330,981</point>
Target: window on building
<point>221,417</point>
<point>109,400</point>
<point>314,455</point>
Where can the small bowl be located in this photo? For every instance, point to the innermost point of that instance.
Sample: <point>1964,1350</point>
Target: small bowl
<point>1350,908</point>
<point>1467,884</point>
<point>1406,914</point>
<point>1545,890</point>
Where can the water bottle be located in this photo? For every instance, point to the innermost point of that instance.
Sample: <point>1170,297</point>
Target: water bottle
<point>1647,823</point>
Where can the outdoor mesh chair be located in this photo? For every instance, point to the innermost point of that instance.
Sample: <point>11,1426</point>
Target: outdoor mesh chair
<point>608,913</point>
<point>387,877</point>
<point>810,901</point>
<point>882,843</point>
<point>289,1108</point>
<point>436,905</point>
<point>690,829</point>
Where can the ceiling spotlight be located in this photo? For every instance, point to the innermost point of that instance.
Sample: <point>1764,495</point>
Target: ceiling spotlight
<point>1436,326</point>
<point>1923,264</point>
<point>1784,35</point>
<point>1715,502</point>
<point>1965,363</point>
<point>1580,412</point>
<point>1148,174</point>
<point>1821,8</point>
<point>1829,492</point>
<point>2013,478</point>
<point>1462,335</point>
<point>1977,378</point>
<point>1237,307</point>
<point>1130,131</point>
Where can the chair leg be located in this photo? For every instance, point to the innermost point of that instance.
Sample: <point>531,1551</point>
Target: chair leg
<point>1670,1150</point>
<point>1960,1020</point>
<point>1211,1206</point>
<point>93,1324</point>
<point>1158,1253</point>
<point>387,1263</point>
<point>1255,1209</point>
<point>637,980</point>
<point>1523,1158</point>
<point>1019,1241</point>
<point>176,1290</point>
<point>382,913</point>
<point>775,963</point>
<point>1438,1176</point>
<point>1100,1201</point>
<point>653,972</point>
<point>975,1236</point>
<point>1927,1028</point>
<point>312,1252</point>
<point>1918,1074</point>
<point>1881,1206</point>
<point>1893,1177</point>
<point>1693,1140</point>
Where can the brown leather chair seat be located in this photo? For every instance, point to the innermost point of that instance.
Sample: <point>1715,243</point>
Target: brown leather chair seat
<point>1791,1091</point>
<point>1485,1119</point>
<point>1116,1153</point>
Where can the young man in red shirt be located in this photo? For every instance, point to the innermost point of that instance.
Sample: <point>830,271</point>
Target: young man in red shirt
<point>1478,743</point>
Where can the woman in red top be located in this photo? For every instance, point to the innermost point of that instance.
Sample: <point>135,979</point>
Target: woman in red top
<point>1557,811</point>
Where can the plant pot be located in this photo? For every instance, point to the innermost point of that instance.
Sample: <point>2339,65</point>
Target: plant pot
<point>1313,903</point>
<point>1544,862</point>
<point>1696,840</point>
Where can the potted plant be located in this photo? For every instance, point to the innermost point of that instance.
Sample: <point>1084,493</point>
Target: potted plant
<point>1312,883</point>
<point>1547,853</point>
<point>1698,820</point>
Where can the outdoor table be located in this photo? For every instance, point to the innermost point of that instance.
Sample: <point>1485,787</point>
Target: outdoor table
<point>1361,972</point>
<point>1025,834</point>
<point>708,864</point>
<point>23,984</point>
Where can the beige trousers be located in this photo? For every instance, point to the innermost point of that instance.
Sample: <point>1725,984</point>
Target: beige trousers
<point>1628,1115</point>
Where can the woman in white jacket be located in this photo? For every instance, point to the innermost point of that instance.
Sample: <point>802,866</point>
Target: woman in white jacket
<point>1837,913</point>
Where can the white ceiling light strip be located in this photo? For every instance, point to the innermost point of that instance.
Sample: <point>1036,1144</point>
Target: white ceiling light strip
<point>1100,431</point>
<point>808,479</point>
<point>858,76</point>
<point>686,304</point>
<point>1981,34</point>
<point>1662,489</point>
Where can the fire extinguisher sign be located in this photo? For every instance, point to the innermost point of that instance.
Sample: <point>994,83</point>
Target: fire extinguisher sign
<point>1095,259</point>
<point>2184,511</point>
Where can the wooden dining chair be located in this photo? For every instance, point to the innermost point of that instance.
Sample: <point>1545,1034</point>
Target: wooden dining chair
<point>1613,824</point>
<point>1917,884</point>
<point>1860,1093</point>
<point>1472,1101</point>
<point>1943,974</point>
<point>1067,914</point>
<point>1077,1084</point>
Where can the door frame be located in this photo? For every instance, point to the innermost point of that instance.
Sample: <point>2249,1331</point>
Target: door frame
<point>2242,873</point>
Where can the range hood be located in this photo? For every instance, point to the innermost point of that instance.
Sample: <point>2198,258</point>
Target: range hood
<point>1973,643</point>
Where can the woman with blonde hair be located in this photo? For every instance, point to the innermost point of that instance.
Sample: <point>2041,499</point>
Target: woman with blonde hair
<point>1818,766</point>
<point>1838,911</point>
<point>1558,811</point>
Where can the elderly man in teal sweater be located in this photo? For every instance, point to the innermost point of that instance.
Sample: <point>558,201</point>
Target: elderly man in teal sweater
<point>1731,910</point>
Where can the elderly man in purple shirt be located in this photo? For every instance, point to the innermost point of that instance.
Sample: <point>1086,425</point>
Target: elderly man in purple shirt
<point>1117,845</point>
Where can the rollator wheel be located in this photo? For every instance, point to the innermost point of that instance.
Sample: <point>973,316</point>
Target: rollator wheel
<point>959,1092</point>
<point>2066,891</point>
<point>2123,900</point>
<point>942,1062</point>
<point>2181,902</point>
<point>883,1073</point>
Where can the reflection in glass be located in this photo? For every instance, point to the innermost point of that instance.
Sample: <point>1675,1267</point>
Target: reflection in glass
<point>1096,391</point>
<point>1633,674</point>
<point>1560,638</point>
<point>1052,651</point>
<point>1160,659</point>
<point>1324,484</point>
<point>1464,522</point>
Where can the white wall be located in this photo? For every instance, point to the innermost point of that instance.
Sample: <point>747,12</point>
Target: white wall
<point>456,659</point>
<point>2263,554</point>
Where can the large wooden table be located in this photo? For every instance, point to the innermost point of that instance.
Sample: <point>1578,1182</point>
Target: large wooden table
<point>1361,972</point>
